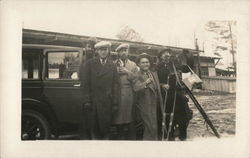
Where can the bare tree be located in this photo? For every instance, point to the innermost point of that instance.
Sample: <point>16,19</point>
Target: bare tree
<point>225,39</point>
<point>129,34</point>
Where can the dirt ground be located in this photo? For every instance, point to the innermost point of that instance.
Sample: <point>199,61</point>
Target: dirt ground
<point>220,108</point>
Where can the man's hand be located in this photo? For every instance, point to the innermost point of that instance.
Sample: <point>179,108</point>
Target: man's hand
<point>122,70</point>
<point>149,80</point>
<point>165,86</point>
<point>87,106</point>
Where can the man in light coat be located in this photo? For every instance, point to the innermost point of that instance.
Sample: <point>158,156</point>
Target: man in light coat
<point>123,118</point>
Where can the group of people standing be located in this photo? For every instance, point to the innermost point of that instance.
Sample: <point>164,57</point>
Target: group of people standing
<point>118,93</point>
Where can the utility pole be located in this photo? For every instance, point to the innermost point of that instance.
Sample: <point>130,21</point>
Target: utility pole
<point>232,47</point>
<point>198,56</point>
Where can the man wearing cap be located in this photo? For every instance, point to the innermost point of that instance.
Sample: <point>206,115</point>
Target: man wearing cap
<point>99,84</point>
<point>123,118</point>
<point>150,103</point>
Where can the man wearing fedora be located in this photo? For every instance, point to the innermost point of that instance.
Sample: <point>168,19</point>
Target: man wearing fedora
<point>150,102</point>
<point>124,117</point>
<point>99,85</point>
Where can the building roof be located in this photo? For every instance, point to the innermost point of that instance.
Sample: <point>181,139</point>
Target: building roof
<point>209,56</point>
<point>55,38</point>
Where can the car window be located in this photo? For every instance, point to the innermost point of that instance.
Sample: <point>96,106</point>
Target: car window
<point>30,66</point>
<point>63,65</point>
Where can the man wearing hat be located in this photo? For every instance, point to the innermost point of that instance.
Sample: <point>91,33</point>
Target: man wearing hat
<point>99,84</point>
<point>150,102</point>
<point>123,118</point>
<point>175,93</point>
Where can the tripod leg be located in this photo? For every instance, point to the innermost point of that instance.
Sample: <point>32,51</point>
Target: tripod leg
<point>204,115</point>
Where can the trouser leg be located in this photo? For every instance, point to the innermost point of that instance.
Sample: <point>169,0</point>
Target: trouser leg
<point>183,131</point>
<point>159,122</point>
<point>84,129</point>
<point>170,130</point>
<point>171,134</point>
<point>118,132</point>
<point>96,134</point>
<point>129,131</point>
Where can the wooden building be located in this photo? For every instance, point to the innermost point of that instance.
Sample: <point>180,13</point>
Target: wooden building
<point>206,64</point>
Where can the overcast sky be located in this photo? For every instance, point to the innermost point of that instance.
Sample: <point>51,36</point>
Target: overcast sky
<point>160,22</point>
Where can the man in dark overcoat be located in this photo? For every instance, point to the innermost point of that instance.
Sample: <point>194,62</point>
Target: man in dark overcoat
<point>99,84</point>
<point>182,112</point>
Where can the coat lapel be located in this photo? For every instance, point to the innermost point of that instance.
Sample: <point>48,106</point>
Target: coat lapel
<point>144,78</point>
<point>97,66</point>
<point>104,68</point>
<point>157,83</point>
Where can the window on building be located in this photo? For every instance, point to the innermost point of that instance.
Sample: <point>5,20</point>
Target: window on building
<point>204,71</point>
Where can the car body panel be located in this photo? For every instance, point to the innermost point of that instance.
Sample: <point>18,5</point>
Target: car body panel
<point>62,96</point>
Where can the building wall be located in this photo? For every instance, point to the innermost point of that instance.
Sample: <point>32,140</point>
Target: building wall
<point>211,71</point>
<point>207,66</point>
<point>218,83</point>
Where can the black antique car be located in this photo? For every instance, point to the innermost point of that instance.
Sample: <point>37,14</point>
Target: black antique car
<point>51,96</point>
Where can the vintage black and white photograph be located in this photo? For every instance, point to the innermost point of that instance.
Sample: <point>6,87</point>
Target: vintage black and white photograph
<point>129,71</point>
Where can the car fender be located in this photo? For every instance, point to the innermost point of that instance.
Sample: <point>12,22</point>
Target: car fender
<point>43,108</point>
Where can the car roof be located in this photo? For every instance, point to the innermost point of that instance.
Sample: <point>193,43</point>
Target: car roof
<point>42,46</point>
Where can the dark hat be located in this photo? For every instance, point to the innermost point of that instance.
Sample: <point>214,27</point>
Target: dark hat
<point>91,41</point>
<point>163,51</point>
<point>143,55</point>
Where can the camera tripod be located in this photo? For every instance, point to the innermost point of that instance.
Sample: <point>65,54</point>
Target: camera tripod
<point>196,103</point>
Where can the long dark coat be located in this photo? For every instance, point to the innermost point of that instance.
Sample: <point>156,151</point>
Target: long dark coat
<point>182,110</point>
<point>99,87</point>
<point>149,103</point>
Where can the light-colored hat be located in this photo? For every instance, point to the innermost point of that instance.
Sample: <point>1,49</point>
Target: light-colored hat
<point>102,44</point>
<point>123,45</point>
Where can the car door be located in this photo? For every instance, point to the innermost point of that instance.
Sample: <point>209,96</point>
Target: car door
<point>62,84</point>
<point>31,73</point>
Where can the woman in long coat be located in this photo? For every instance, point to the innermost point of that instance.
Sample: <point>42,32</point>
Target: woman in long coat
<point>150,103</point>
